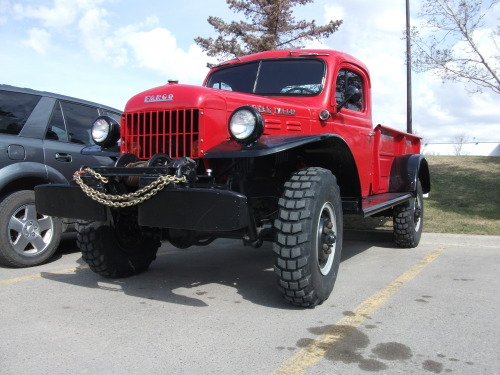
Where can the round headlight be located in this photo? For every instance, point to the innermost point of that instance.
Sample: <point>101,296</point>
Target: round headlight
<point>105,131</point>
<point>246,125</point>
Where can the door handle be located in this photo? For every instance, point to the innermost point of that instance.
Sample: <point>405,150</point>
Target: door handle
<point>63,157</point>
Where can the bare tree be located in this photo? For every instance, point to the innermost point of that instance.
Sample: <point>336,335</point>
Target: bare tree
<point>458,143</point>
<point>447,43</point>
<point>270,25</point>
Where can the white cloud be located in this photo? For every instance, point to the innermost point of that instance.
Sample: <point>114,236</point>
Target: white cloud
<point>39,40</point>
<point>157,50</point>
<point>88,23</point>
<point>372,33</point>
<point>57,22</point>
<point>95,37</point>
<point>334,12</point>
<point>443,110</point>
<point>61,15</point>
<point>125,40</point>
<point>4,8</point>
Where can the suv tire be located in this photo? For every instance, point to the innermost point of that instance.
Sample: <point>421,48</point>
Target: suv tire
<point>26,237</point>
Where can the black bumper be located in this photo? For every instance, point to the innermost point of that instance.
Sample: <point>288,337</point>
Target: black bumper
<point>200,209</point>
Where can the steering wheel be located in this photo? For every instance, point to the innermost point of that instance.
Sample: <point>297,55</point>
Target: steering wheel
<point>300,88</point>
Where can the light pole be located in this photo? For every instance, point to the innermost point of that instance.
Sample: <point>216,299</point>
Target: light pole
<point>408,71</point>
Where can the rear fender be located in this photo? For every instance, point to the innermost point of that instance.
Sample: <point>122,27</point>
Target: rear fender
<point>406,170</point>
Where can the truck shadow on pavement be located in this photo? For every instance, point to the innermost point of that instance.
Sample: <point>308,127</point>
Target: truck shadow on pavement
<point>224,272</point>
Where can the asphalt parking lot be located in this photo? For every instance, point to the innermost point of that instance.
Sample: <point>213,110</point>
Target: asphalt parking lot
<point>215,310</point>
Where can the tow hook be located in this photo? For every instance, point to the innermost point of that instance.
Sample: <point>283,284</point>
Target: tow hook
<point>183,167</point>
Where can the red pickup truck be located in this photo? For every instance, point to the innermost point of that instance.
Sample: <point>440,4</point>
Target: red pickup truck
<point>274,146</point>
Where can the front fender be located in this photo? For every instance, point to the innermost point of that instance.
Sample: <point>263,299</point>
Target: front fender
<point>266,145</point>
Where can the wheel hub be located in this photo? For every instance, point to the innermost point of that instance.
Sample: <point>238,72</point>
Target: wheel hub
<point>326,238</point>
<point>418,213</point>
<point>31,229</point>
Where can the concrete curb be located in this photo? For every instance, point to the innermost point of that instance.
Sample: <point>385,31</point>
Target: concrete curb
<point>444,239</point>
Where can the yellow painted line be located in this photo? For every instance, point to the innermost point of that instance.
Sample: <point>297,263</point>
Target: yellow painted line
<point>39,275</point>
<point>69,270</point>
<point>316,350</point>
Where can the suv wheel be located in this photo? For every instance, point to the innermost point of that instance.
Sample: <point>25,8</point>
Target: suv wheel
<point>26,237</point>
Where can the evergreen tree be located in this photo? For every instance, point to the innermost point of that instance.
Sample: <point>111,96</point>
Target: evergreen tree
<point>269,25</point>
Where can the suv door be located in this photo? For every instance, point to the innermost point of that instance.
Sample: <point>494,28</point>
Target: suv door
<point>67,134</point>
<point>15,111</point>
<point>41,138</point>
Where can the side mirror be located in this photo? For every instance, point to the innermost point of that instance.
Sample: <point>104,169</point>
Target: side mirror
<point>352,95</point>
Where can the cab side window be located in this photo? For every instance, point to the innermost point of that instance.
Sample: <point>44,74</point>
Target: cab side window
<point>347,78</point>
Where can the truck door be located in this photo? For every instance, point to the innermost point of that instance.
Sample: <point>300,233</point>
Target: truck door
<point>353,121</point>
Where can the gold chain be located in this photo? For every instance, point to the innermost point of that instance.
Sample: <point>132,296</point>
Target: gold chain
<point>141,195</point>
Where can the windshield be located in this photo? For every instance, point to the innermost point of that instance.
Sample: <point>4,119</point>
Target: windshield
<point>304,77</point>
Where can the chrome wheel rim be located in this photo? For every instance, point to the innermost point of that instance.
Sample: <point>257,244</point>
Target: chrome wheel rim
<point>30,233</point>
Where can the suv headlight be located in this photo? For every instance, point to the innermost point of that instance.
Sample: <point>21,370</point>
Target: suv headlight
<point>105,131</point>
<point>246,125</point>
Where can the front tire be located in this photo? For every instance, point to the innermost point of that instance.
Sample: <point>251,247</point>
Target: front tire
<point>408,220</point>
<point>116,252</point>
<point>26,238</point>
<point>309,234</point>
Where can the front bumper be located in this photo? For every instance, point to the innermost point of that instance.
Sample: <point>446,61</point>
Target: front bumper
<point>192,208</point>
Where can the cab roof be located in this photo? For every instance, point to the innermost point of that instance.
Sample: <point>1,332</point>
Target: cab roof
<point>324,53</point>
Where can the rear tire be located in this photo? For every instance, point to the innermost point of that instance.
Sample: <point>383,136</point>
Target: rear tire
<point>113,252</point>
<point>26,238</point>
<point>309,234</point>
<point>408,220</point>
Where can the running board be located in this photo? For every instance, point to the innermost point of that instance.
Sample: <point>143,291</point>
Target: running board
<point>380,202</point>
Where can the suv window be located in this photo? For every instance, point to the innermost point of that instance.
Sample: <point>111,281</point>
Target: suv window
<point>71,122</point>
<point>15,108</point>
<point>345,79</point>
<point>57,129</point>
<point>115,116</point>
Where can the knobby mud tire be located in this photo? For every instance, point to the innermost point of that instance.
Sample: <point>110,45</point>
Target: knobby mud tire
<point>408,220</point>
<point>307,274</point>
<point>111,257</point>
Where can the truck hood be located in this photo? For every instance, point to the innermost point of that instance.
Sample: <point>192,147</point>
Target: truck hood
<point>175,96</point>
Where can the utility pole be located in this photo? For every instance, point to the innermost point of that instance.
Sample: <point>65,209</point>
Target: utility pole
<point>408,71</point>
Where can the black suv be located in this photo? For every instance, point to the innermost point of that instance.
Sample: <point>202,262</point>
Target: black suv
<point>41,139</point>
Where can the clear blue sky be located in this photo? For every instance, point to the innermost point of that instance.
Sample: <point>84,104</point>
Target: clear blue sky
<point>109,50</point>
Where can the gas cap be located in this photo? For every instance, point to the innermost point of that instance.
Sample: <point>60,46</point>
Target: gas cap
<point>16,152</point>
